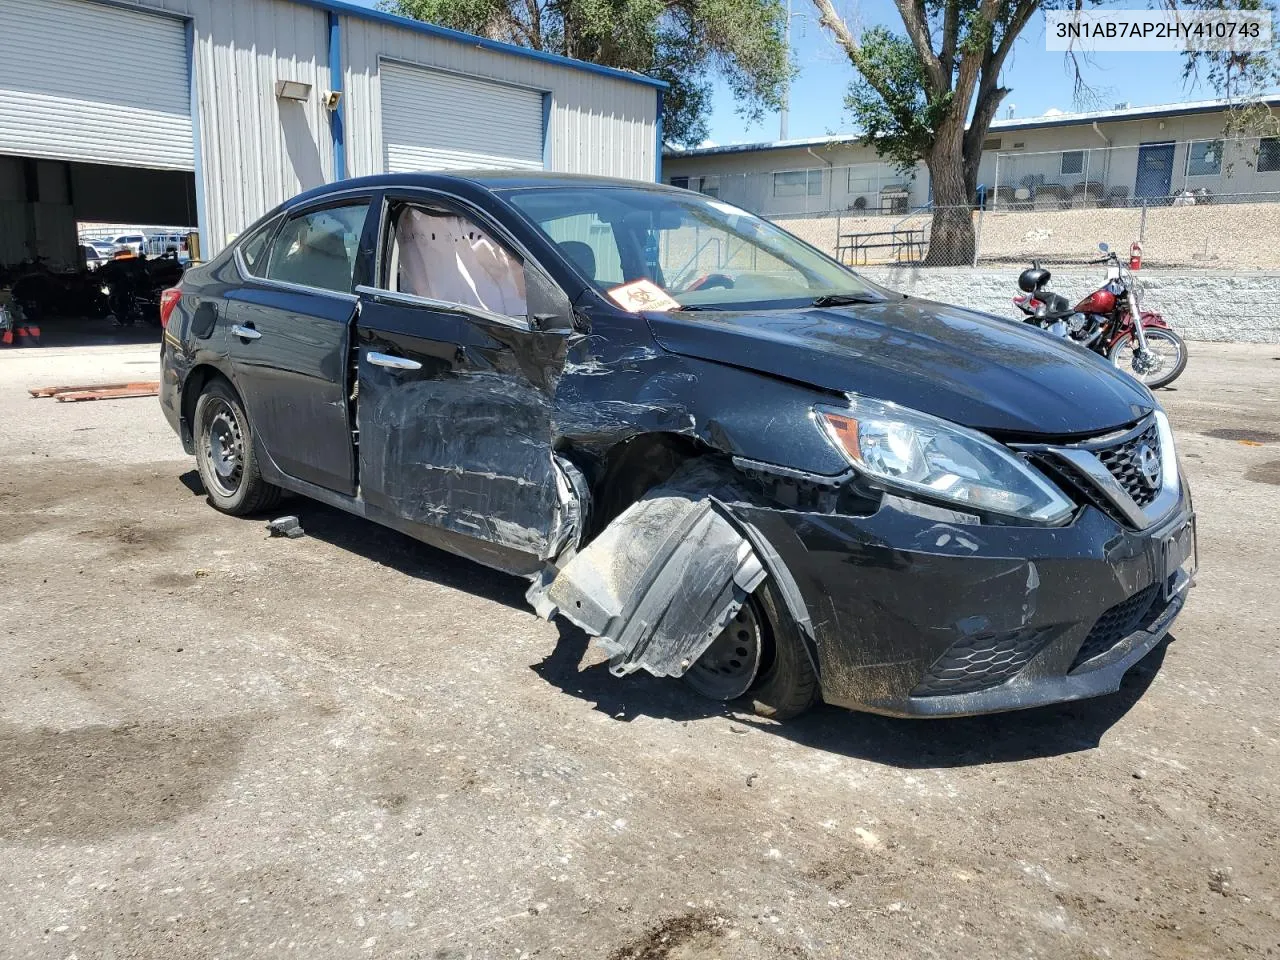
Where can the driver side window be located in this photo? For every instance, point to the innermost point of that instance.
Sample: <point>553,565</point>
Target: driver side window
<point>442,255</point>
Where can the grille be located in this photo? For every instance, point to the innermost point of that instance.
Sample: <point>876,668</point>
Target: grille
<point>1117,623</point>
<point>979,662</point>
<point>1122,462</point>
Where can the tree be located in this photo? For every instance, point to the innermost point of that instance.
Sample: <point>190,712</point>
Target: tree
<point>687,43</point>
<point>930,92</point>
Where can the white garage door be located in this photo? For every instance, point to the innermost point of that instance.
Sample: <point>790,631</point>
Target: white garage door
<point>92,82</point>
<point>440,121</point>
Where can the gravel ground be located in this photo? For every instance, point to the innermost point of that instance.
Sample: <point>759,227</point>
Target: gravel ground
<point>215,744</point>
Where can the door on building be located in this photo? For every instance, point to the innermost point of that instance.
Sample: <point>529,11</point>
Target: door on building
<point>432,120</point>
<point>95,123</point>
<point>1155,170</point>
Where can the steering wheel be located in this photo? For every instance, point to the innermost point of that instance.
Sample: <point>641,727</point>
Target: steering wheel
<point>710,281</point>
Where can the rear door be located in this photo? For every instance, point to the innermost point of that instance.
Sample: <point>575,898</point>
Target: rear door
<point>455,385</point>
<point>289,340</point>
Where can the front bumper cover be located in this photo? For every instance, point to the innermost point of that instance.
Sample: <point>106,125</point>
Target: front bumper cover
<point>892,597</point>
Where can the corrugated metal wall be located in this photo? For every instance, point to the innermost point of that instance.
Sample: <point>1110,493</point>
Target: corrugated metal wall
<point>599,124</point>
<point>256,151</point>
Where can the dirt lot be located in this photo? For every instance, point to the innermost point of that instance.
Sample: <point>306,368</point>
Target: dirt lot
<point>215,744</point>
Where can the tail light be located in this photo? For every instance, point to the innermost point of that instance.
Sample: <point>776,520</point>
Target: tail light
<point>168,300</point>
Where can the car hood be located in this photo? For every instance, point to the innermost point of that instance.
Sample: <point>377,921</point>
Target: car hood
<point>970,368</point>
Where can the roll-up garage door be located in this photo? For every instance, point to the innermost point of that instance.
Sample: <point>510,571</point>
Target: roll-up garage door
<point>94,82</point>
<point>441,121</point>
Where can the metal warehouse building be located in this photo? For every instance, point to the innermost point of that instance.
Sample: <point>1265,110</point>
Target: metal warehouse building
<point>210,112</point>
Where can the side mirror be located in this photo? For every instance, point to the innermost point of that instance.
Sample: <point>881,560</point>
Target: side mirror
<point>549,309</point>
<point>1104,248</point>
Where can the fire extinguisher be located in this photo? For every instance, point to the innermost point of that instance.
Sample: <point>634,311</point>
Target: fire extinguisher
<point>1135,256</point>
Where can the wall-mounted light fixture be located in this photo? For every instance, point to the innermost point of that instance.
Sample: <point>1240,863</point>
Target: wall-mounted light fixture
<point>293,90</point>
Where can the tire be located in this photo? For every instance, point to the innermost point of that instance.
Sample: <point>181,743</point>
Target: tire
<point>1121,354</point>
<point>225,456</point>
<point>777,675</point>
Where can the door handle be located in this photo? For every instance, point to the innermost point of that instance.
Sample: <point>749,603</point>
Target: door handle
<point>245,333</point>
<point>393,363</point>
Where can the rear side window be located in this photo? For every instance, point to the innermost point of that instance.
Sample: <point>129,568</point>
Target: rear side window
<point>318,248</point>
<point>253,248</point>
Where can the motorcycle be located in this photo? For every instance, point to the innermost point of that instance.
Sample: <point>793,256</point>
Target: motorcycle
<point>1149,351</point>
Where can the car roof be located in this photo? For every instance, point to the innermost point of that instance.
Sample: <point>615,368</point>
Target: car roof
<point>494,180</point>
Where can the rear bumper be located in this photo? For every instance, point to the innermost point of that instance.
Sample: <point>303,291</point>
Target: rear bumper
<point>914,617</point>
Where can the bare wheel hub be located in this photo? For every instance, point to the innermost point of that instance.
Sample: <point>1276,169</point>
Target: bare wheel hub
<point>728,668</point>
<point>224,447</point>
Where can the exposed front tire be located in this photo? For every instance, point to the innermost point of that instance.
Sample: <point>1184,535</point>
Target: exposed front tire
<point>1168,357</point>
<point>225,456</point>
<point>760,657</point>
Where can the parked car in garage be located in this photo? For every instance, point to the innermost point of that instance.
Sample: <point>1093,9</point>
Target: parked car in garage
<point>720,452</point>
<point>133,242</point>
<point>93,257</point>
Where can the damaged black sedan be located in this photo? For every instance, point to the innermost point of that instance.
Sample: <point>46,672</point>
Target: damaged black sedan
<point>708,445</point>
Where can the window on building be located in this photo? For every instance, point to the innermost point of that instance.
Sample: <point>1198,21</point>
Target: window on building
<point>991,143</point>
<point>318,249</point>
<point>1072,162</point>
<point>1204,158</point>
<point>681,182</point>
<point>797,183</point>
<point>709,186</point>
<point>1269,155</point>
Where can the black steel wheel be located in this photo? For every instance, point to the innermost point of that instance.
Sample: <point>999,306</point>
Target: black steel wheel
<point>225,455</point>
<point>760,656</point>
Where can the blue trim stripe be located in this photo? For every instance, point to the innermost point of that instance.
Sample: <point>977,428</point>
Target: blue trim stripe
<point>546,130</point>
<point>337,118</point>
<point>431,29</point>
<point>657,163</point>
<point>202,223</point>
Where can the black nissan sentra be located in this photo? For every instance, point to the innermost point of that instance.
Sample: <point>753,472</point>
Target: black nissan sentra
<point>716,450</point>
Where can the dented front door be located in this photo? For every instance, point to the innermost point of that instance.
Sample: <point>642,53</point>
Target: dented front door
<point>454,411</point>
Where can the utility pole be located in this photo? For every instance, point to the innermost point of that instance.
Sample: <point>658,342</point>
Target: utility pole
<point>784,114</point>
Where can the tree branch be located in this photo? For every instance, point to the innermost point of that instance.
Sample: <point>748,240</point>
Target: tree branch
<point>829,18</point>
<point>950,33</point>
<point>917,24</point>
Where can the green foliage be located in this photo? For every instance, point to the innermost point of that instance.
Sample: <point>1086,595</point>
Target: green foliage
<point>687,43</point>
<point>889,102</point>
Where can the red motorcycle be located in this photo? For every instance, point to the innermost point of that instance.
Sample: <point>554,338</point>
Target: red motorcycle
<point>1103,321</point>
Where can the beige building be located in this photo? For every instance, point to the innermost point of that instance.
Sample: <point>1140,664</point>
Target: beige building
<point>1128,156</point>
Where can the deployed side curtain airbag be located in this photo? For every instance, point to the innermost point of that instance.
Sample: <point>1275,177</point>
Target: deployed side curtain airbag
<point>449,258</point>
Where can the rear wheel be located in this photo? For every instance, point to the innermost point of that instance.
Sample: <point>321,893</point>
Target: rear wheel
<point>225,456</point>
<point>1163,363</point>
<point>761,656</point>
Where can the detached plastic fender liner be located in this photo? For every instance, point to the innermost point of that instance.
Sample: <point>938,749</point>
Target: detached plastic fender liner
<point>660,583</point>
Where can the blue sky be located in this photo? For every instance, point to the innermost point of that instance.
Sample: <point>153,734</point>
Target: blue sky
<point>1039,80</point>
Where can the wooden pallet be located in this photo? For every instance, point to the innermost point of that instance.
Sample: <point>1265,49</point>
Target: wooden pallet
<point>77,393</point>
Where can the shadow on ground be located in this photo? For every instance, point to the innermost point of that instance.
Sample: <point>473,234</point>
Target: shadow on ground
<point>965,741</point>
<point>915,744</point>
<point>389,548</point>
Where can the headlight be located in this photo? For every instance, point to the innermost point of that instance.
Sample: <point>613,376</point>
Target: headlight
<point>920,454</point>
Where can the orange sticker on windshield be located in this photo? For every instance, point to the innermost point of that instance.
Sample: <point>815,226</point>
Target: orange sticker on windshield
<point>642,295</point>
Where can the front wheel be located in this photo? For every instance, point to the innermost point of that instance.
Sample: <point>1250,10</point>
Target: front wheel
<point>1163,363</point>
<point>760,656</point>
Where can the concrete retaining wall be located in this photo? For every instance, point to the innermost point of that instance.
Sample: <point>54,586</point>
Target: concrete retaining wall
<point>1199,306</point>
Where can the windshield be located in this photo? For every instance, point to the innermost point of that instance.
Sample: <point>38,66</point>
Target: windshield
<point>697,250</point>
